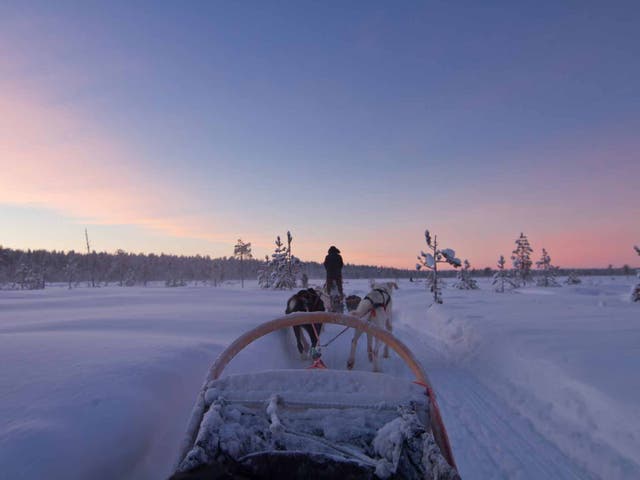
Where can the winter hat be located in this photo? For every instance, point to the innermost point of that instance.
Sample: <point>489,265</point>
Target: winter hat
<point>333,249</point>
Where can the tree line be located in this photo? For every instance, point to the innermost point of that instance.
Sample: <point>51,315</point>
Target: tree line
<point>33,269</point>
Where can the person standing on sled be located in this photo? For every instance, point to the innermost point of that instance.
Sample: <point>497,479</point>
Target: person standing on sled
<point>333,265</point>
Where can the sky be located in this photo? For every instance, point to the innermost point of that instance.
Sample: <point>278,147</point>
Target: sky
<point>179,127</point>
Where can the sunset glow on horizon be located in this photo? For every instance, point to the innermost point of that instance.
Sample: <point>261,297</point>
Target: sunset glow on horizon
<point>181,128</point>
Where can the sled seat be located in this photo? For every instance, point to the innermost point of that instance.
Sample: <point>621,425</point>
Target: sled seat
<point>316,424</point>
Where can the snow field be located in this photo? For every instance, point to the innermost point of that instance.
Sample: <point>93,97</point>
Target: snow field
<point>537,384</point>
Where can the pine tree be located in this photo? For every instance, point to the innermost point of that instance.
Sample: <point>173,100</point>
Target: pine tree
<point>522,260</point>
<point>294,263</point>
<point>264,274</point>
<point>502,277</point>
<point>431,260</point>
<point>241,251</point>
<point>283,267</point>
<point>463,278</point>
<point>279,265</point>
<point>280,276</point>
<point>547,271</point>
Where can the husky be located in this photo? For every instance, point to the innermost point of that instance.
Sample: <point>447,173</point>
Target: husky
<point>374,307</point>
<point>307,300</point>
<point>352,302</point>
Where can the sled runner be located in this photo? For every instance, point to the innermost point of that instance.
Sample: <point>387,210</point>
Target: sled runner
<point>315,423</point>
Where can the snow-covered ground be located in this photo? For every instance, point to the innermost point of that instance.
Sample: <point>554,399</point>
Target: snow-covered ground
<point>539,383</point>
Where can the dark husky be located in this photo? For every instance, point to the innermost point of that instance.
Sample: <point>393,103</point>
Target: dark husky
<point>306,301</point>
<point>352,302</point>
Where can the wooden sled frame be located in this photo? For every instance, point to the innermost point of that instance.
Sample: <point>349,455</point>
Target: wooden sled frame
<point>296,319</point>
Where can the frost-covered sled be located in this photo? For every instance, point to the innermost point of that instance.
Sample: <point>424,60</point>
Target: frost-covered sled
<point>315,423</point>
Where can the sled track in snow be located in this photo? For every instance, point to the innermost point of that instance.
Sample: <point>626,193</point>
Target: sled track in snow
<point>496,437</point>
<point>489,439</point>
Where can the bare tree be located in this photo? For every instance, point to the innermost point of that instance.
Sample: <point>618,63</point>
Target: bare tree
<point>90,261</point>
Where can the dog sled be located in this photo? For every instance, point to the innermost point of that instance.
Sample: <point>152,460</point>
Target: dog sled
<point>315,423</point>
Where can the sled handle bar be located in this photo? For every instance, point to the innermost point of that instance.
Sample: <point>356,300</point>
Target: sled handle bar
<point>296,319</point>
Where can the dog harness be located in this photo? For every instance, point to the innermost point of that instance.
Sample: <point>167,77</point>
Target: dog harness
<point>386,299</point>
<point>311,304</point>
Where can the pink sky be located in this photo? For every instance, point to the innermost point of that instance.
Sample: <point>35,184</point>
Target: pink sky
<point>160,145</point>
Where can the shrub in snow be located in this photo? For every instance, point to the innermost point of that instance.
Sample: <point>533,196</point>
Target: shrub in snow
<point>174,282</point>
<point>573,279</point>
<point>431,260</point>
<point>464,280</point>
<point>635,291</point>
<point>522,260</point>
<point>547,275</point>
<point>28,277</point>
<point>502,277</point>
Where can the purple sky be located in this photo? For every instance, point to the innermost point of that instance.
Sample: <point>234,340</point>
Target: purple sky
<point>180,127</point>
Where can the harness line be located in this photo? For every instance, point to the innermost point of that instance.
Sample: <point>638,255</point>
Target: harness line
<point>330,341</point>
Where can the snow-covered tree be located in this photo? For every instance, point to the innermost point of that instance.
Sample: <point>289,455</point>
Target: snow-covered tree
<point>573,279</point>
<point>463,278</point>
<point>27,276</point>
<point>279,266</point>
<point>241,251</point>
<point>547,275</point>
<point>294,262</point>
<point>521,259</point>
<point>264,274</point>
<point>431,260</point>
<point>502,277</point>
<point>282,269</point>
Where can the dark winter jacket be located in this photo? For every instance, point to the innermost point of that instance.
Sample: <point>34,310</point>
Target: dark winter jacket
<point>333,263</point>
